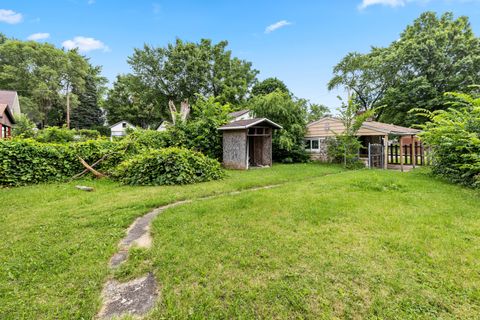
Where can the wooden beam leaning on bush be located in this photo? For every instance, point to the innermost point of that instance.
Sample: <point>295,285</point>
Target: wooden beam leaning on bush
<point>90,168</point>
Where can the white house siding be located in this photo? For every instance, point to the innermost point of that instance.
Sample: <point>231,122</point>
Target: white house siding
<point>120,129</point>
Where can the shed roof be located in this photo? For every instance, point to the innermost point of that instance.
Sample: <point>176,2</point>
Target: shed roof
<point>238,113</point>
<point>5,109</point>
<point>245,124</point>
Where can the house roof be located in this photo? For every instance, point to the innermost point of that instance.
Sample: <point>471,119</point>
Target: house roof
<point>113,125</point>
<point>5,109</point>
<point>389,128</point>
<point>245,124</point>
<point>7,97</point>
<point>385,128</point>
<point>238,113</point>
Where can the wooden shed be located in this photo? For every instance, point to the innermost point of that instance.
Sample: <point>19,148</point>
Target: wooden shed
<point>372,133</point>
<point>248,143</point>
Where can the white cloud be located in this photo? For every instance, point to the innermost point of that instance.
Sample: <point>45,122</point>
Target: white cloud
<point>277,25</point>
<point>157,8</point>
<point>10,16</point>
<point>38,36</point>
<point>390,3</point>
<point>85,44</point>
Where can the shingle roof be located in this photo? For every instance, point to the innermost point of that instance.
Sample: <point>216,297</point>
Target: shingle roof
<point>7,97</point>
<point>389,128</point>
<point>377,126</point>
<point>245,124</point>
<point>4,108</point>
<point>238,113</point>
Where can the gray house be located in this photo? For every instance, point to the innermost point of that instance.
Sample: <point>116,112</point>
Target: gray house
<point>248,143</point>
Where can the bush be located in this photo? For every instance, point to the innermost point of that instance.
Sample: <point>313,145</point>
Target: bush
<point>167,167</point>
<point>55,135</point>
<point>27,161</point>
<point>65,135</point>
<point>24,127</point>
<point>454,136</point>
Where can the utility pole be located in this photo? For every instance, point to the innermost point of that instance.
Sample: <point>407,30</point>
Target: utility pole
<point>68,110</point>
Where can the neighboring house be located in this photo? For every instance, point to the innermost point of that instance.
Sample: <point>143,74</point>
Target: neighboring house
<point>248,143</point>
<point>241,115</point>
<point>11,99</point>
<point>6,121</point>
<point>119,129</point>
<point>163,126</point>
<point>371,133</point>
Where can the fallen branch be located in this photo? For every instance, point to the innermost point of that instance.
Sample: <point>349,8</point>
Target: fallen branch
<point>89,168</point>
<point>78,175</point>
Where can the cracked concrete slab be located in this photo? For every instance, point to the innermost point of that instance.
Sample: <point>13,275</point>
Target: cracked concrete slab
<point>135,297</point>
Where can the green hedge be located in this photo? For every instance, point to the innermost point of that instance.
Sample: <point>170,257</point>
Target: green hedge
<point>27,161</point>
<point>167,167</point>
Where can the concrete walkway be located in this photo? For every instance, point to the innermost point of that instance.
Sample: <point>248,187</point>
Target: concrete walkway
<point>137,297</point>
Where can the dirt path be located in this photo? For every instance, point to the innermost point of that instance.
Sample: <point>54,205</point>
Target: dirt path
<point>138,296</point>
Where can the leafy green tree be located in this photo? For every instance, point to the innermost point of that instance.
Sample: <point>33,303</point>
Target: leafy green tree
<point>316,112</point>
<point>24,127</point>
<point>433,55</point>
<point>182,70</point>
<point>130,100</point>
<point>368,76</point>
<point>88,114</point>
<point>42,75</point>
<point>200,131</point>
<point>291,114</point>
<point>454,136</point>
<point>269,85</point>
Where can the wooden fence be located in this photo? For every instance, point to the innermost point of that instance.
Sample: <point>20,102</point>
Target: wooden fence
<point>394,154</point>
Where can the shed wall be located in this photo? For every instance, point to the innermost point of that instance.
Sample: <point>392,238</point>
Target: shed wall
<point>267,150</point>
<point>235,149</point>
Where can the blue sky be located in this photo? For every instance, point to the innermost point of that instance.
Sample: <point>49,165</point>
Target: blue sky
<point>296,41</point>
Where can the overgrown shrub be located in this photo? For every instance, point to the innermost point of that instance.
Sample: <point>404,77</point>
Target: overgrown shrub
<point>24,127</point>
<point>167,167</point>
<point>65,135</point>
<point>27,161</point>
<point>199,132</point>
<point>454,135</point>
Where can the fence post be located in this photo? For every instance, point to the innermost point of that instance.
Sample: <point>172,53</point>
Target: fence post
<point>414,154</point>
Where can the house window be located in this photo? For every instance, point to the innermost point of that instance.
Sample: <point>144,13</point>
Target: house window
<point>124,124</point>
<point>308,144</point>
<point>313,145</point>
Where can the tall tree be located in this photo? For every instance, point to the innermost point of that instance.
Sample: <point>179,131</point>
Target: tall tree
<point>367,76</point>
<point>181,70</point>
<point>88,114</point>
<point>41,74</point>
<point>316,112</point>
<point>434,55</point>
<point>269,85</point>
<point>130,100</point>
<point>291,114</point>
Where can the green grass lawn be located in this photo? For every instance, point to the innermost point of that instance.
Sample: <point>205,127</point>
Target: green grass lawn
<point>55,241</point>
<point>358,244</point>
